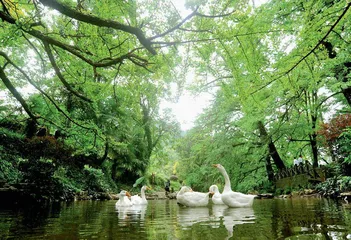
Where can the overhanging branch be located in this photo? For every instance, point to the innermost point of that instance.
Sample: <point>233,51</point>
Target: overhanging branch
<point>42,92</point>
<point>60,76</point>
<point>94,20</point>
<point>16,94</point>
<point>310,52</point>
<point>74,51</point>
<point>177,26</point>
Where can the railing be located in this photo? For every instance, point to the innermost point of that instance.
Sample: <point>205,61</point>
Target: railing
<point>314,174</point>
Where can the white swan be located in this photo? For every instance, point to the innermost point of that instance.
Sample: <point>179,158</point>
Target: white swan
<point>230,198</point>
<point>187,197</point>
<point>137,200</point>
<point>217,196</point>
<point>123,200</point>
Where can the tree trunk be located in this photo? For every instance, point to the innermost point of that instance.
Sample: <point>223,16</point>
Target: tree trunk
<point>273,153</point>
<point>341,71</point>
<point>347,95</point>
<point>269,168</point>
<point>313,141</point>
<point>146,124</point>
<point>69,107</point>
<point>16,94</point>
<point>114,169</point>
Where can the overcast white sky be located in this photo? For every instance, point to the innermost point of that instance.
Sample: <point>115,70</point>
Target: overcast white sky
<point>188,108</point>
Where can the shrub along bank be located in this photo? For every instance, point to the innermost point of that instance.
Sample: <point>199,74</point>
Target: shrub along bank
<point>43,168</point>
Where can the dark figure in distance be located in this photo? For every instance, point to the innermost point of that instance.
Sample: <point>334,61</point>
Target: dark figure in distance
<point>168,184</point>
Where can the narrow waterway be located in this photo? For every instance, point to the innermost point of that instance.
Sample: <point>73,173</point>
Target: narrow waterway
<point>164,219</point>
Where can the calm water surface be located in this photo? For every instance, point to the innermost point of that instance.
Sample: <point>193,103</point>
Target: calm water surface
<point>164,219</point>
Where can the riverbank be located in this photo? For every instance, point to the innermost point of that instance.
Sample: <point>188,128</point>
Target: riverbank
<point>18,193</point>
<point>308,193</point>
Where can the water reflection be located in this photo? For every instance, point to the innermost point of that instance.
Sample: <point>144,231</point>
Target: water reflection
<point>215,216</point>
<point>160,219</point>
<point>188,216</point>
<point>230,217</point>
<point>132,213</point>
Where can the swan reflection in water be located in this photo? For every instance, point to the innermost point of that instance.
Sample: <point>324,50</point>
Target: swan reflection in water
<point>221,215</point>
<point>187,216</point>
<point>233,216</point>
<point>132,213</point>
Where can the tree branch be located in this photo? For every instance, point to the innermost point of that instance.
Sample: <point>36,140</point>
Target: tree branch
<point>310,52</point>
<point>5,8</point>
<point>60,76</point>
<point>34,48</point>
<point>196,30</point>
<point>194,13</point>
<point>324,100</point>
<point>176,26</point>
<point>213,39</point>
<point>214,16</point>
<point>184,42</point>
<point>16,94</point>
<point>297,140</point>
<point>204,86</point>
<point>88,18</point>
<point>74,51</point>
<point>42,92</point>
<point>7,18</point>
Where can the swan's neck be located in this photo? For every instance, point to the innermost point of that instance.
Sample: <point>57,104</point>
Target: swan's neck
<point>227,186</point>
<point>142,193</point>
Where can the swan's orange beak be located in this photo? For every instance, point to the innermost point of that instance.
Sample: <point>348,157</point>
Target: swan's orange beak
<point>211,193</point>
<point>215,165</point>
<point>148,188</point>
<point>128,194</point>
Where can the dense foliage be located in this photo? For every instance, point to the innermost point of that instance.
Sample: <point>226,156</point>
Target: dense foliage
<point>280,75</point>
<point>83,82</point>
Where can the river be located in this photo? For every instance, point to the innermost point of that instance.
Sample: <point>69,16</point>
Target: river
<point>297,218</point>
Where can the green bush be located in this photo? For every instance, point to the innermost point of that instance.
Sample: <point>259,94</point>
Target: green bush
<point>265,187</point>
<point>112,187</point>
<point>279,191</point>
<point>175,186</point>
<point>344,142</point>
<point>159,181</point>
<point>70,185</point>
<point>344,183</point>
<point>9,172</point>
<point>334,186</point>
<point>9,135</point>
<point>50,181</point>
<point>39,174</point>
<point>95,179</point>
<point>329,188</point>
<point>46,147</point>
